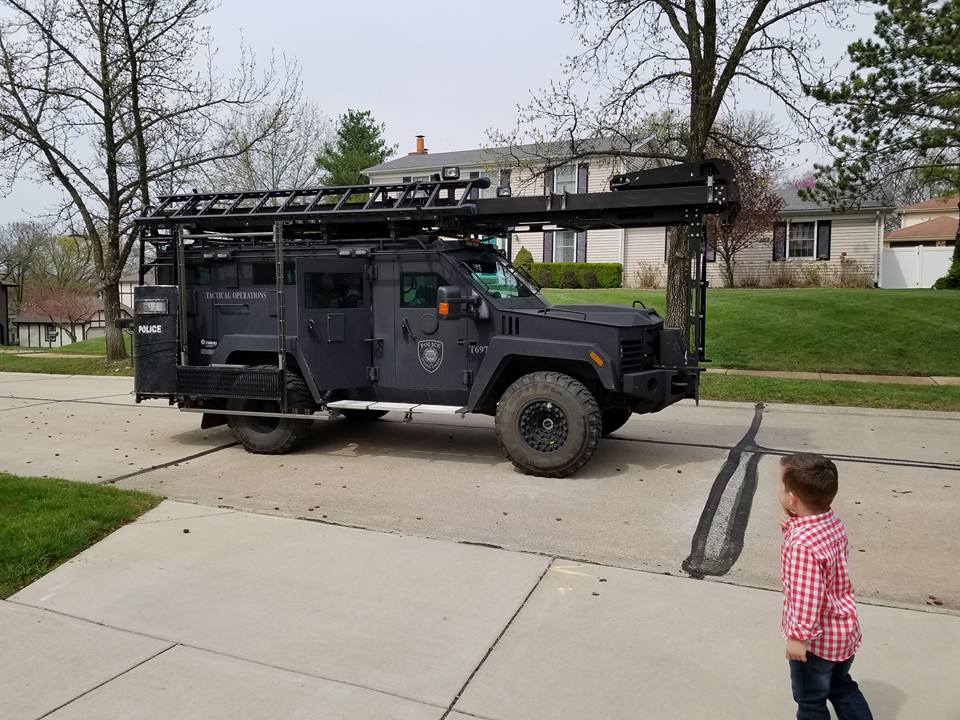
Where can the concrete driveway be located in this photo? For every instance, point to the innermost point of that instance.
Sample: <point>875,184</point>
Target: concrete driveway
<point>553,621</point>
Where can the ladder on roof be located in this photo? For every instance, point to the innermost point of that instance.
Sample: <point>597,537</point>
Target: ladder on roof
<point>441,196</point>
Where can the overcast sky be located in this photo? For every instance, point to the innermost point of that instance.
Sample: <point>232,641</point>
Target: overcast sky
<point>447,70</point>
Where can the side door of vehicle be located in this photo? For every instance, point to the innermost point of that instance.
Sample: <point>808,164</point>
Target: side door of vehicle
<point>431,353</point>
<point>334,320</point>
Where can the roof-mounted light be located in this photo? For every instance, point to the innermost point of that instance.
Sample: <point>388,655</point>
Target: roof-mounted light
<point>504,191</point>
<point>450,172</point>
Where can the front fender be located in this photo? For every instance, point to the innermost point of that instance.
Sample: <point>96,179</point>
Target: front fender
<point>503,349</point>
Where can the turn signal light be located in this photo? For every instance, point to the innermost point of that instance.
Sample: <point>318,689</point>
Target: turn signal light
<point>597,359</point>
<point>443,308</point>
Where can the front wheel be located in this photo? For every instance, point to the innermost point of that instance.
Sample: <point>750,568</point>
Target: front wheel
<point>548,424</point>
<point>273,435</point>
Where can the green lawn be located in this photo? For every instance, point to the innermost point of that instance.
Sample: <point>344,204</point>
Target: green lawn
<point>830,392</point>
<point>44,522</point>
<point>886,332</point>
<point>96,346</point>
<point>65,365</point>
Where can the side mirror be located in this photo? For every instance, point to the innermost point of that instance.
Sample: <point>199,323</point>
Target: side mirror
<point>454,303</point>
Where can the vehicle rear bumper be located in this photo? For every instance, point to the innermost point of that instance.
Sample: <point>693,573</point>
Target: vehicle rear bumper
<point>653,390</point>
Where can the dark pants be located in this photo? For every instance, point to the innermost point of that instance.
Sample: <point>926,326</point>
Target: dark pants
<point>817,680</point>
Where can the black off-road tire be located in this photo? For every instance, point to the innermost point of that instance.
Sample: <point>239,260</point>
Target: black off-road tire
<point>363,415</point>
<point>548,424</point>
<point>273,436</point>
<point>612,419</point>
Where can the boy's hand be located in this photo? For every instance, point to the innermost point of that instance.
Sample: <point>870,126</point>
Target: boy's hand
<point>797,650</point>
<point>784,519</point>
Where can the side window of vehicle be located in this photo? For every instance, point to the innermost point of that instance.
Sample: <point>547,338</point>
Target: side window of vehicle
<point>419,289</point>
<point>333,290</point>
<point>265,274</point>
<point>198,275</point>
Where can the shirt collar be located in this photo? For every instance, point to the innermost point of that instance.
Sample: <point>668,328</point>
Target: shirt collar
<point>806,520</point>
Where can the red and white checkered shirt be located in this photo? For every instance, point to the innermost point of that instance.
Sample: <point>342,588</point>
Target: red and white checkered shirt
<point>818,601</point>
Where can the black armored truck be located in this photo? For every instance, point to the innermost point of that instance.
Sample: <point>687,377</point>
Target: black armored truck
<point>267,308</point>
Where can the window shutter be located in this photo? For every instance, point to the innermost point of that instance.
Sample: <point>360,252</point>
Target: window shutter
<point>583,173</point>
<point>779,241</point>
<point>548,246</point>
<point>823,239</point>
<point>475,193</point>
<point>505,177</point>
<point>548,182</point>
<point>582,246</point>
<point>406,178</point>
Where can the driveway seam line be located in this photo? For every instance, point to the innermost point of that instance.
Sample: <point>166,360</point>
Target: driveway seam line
<point>32,405</point>
<point>144,471</point>
<point>107,681</point>
<point>496,640</point>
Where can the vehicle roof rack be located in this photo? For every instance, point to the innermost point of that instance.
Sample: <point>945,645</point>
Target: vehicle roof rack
<point>674,195</point>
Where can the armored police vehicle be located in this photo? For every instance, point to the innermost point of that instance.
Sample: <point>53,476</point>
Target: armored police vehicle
<point>271,307</point>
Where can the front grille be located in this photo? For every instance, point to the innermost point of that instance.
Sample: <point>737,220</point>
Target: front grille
<point>229,382</point>
<point>634,355</point>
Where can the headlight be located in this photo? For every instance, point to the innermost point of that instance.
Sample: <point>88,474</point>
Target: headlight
<point>450,172</point>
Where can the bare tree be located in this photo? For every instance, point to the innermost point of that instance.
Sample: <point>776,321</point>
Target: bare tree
<point>285,160</point>
<point>689,58</point>
<point>112,99</point>
<point>64,307</point>
<point>759,207</point>
<point>21,245</point>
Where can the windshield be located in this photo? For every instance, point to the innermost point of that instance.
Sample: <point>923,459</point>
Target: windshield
<point>498,278</point>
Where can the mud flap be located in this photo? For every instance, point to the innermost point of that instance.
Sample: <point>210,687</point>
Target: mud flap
<point>212,420</point>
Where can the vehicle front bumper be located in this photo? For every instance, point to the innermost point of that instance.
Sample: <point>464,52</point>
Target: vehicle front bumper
<point>653,390</point>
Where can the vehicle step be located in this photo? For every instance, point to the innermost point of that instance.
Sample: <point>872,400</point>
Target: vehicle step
<point>413,408</point>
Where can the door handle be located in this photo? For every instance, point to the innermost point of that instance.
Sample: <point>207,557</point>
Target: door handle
<point>311,325</point>
<point>407,330</point>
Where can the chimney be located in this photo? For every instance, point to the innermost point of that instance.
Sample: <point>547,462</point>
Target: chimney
<point>421,150</point>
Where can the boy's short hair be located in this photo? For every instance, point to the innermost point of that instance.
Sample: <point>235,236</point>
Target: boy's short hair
<point>811,477</point>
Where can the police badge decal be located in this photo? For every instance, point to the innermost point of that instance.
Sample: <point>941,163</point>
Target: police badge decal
<point>431,354</point>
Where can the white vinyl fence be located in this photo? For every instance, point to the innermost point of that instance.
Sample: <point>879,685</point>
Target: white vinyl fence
<point>914,267</point>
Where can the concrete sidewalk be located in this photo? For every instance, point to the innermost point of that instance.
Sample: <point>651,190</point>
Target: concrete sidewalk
<point>847,377</point>
<point>200,612</point>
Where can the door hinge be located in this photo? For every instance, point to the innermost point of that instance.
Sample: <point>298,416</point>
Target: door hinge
<point>373,374</point>
<point>468,377</point>
<point>371,272</point>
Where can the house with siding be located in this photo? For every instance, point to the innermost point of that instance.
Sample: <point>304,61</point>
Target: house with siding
<point>931,223</point>
<point>42,331</point>
<point>810,243</point>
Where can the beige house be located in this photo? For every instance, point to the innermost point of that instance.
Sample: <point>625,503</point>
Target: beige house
<point>931,223</point>
<point>809,245</point>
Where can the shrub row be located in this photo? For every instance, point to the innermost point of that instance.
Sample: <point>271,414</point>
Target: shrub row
<point>577,275</point>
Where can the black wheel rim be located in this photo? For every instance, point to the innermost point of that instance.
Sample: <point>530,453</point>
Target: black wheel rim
<point>262,425</point>
<point>543,426</point>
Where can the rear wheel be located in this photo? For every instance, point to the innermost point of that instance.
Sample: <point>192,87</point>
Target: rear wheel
<point>548,424</point>
<point>614,418</point>
<point>363,415</point>
<point>273,435</point>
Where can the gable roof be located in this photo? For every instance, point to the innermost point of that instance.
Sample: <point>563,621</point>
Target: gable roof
<point>945,202</point>
<point>492,156</point>
<point>793,203</point>
<point>943,227</point>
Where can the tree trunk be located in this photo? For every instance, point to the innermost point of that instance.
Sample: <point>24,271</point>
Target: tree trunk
<point>728,272</point>
<point>111,313</point>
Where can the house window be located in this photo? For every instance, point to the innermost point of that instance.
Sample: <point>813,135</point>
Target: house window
<point>801,239</point>
<point>565,179</point>
<point>564,246</point>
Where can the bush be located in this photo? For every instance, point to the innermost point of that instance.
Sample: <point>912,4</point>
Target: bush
<point>543,277</point>
<point>782,275</point>
<point>524,259</point>
<point>551,275</point>
<point>950,281</point>
<point>812,275</point>
<point>569,279</point>
<point>853,274</point>
<point>589,279</point>
<point>648,274</point>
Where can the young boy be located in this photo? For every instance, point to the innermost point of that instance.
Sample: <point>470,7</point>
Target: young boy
<point>819,611</point>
